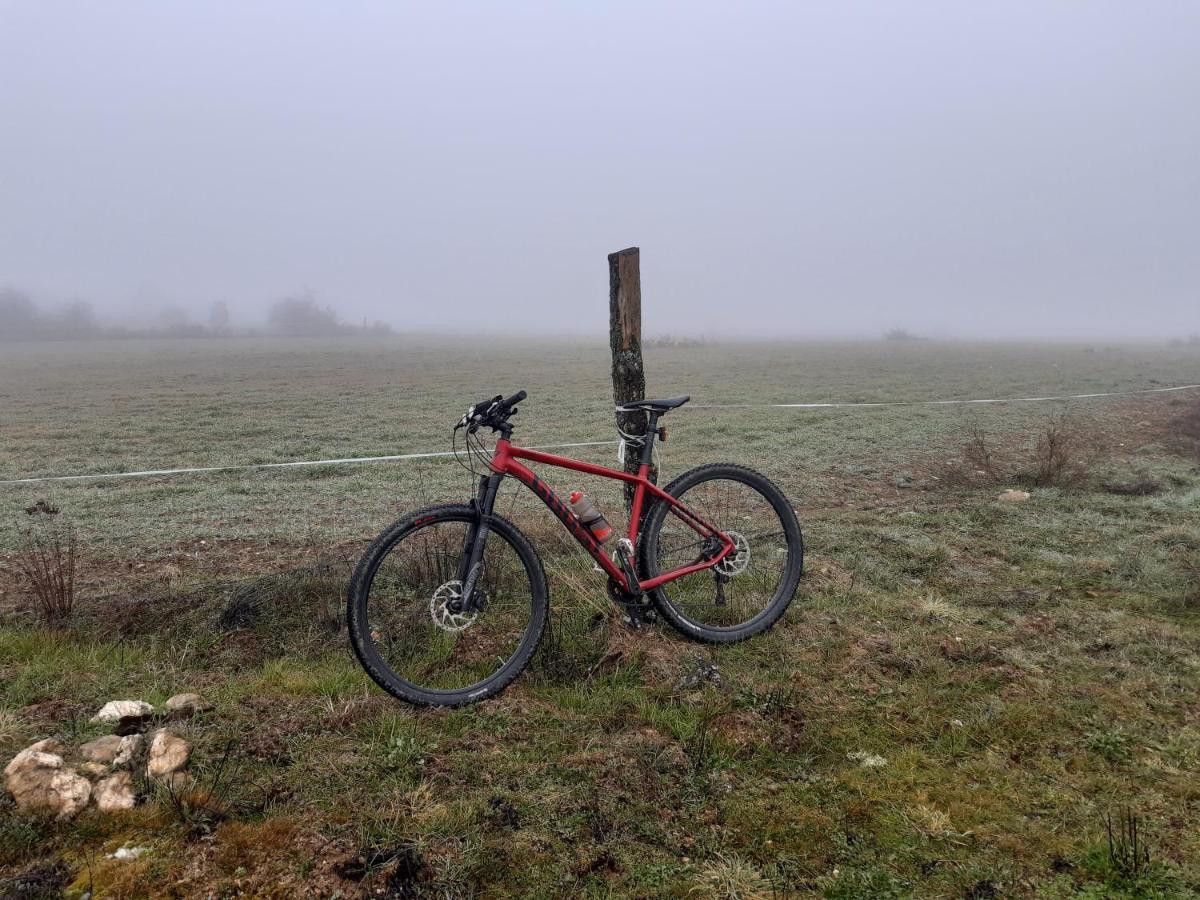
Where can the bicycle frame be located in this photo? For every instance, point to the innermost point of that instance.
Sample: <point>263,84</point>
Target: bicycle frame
<point>506,460</point>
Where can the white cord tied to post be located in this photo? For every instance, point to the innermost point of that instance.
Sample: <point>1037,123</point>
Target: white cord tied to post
<point>633,440</point>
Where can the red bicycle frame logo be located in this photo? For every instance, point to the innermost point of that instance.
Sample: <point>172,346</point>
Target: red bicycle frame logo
<point>506,461</point>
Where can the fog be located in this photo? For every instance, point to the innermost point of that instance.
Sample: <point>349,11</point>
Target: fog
<point>1008,169</point>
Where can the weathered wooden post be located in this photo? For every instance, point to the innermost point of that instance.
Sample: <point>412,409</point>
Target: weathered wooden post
<point>625,340</point>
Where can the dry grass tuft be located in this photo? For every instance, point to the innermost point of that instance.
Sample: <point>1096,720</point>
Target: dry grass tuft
<point>732,878</point>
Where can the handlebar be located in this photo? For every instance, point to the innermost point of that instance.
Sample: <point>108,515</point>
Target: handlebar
<point>493,413</point>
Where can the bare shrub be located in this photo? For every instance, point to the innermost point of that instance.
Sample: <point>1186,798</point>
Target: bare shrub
<point>47,561</point>
<point>1057,456</point>
<point>979,453</point>
<point>1060,455</point>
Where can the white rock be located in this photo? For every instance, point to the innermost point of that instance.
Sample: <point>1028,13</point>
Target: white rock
<point>168,753</point>
<point>1013,496</point>
<point>115,710</point>
<point>25,759</point>
<point>115,793</point>
<point>39,783</point>
<point>49,788</point>
<point>102,749</point>
<point>131,744</point>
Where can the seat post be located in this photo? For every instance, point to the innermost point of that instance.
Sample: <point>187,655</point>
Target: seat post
<point>651,434</point>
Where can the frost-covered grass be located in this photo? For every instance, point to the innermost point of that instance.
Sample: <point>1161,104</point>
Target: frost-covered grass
<point>961,693</point>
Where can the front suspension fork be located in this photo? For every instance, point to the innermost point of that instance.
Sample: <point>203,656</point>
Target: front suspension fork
<point>471,560</point>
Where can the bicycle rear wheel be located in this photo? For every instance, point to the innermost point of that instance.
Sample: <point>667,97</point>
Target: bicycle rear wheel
<point>406,621</point>
<point>747,592</point>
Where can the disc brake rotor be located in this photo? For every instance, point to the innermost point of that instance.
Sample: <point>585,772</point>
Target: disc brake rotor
<point>445,607</point>
<point>735,563</point>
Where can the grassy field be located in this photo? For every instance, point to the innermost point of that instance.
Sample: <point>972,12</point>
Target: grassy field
<point>962,694</point>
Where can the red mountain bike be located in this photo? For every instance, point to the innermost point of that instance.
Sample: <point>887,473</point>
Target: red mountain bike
<point>447,605</point>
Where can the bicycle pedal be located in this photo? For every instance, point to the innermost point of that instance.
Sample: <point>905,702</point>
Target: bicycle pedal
<point>637,615</point>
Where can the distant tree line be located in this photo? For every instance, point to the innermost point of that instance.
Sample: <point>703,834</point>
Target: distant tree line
<point>303,317</point>
<point>21,319</point>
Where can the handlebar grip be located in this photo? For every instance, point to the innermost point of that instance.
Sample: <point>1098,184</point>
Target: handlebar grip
<point>514,399</point>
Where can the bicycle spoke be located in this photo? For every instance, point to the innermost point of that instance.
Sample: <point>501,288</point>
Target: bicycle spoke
<point>674,550</point>
<point>418,625</point>
<point>750,582</point>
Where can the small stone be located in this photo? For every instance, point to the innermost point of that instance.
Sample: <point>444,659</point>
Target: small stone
<point>115,793</point>
<point>168,753</point>
<point>1013,496</point>
<point>184,705</point>
<point>699,672</point>
<point>867,760</point>
<point>127,853</point>
<point>131,744</point>
<point>102,749</point>
<point>116,710</point>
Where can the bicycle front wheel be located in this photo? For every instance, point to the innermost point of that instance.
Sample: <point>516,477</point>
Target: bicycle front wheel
<point>745,593</point>
<point>408,626</point>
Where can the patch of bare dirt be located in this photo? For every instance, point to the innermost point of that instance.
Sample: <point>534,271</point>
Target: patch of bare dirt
<point>50,713</point>
<point>742,729</point>
<point>824,570</point>
<point>274,859</point>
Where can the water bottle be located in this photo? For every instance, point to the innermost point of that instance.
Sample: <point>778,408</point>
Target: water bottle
<point>589,514</point>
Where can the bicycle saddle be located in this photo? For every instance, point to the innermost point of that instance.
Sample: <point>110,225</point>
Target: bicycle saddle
<point>659,406</point>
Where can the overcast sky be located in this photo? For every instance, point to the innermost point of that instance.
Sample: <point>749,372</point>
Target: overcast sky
<point>1009,168</point>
